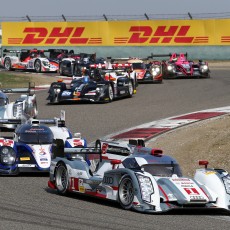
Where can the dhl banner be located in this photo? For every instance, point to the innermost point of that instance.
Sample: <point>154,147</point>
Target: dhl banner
<point>118,33</point>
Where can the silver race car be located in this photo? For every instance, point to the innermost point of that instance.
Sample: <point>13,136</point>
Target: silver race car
<point>25,106</point>
<point>139,178</point>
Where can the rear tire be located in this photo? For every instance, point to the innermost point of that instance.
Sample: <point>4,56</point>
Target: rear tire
<point>61,69</point>
<point>61,179</point>
<point>7,64</point>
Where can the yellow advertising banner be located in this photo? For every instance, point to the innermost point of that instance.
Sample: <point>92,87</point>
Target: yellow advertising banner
<point>118,33</point>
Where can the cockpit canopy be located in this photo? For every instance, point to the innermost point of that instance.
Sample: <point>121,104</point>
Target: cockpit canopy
<point>162,166</point>
<point>4,100</point>
<point>38,134</point>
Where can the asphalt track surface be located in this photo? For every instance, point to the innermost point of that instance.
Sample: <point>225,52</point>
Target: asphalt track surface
<point>27,203</point>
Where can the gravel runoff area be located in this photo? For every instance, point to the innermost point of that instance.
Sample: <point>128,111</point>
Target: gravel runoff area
<point>203,140</point>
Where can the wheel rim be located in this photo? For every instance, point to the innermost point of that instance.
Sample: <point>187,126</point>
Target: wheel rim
<point>110,93</point>
<point>126,193</point>
<point>130,88</point>
<point>61,178</point>
<point>37,66</point>
<point>7,64</point>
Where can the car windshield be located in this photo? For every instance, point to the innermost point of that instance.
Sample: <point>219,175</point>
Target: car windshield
<point>36,135</point>
<point>138,66</point>
<point>2,101</point>
<point>162,170</point>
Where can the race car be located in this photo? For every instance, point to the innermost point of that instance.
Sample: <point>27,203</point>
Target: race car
<point>143,179</point>
<point>30,148</point>
<point>25,59</point>
<point>23,107</point>
<point>99,86</point>
<point>146,70</point>
<point>178,66</point>
<point>71,63</point>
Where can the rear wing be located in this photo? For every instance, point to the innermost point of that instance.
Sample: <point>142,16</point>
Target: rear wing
<point>58,150</point>
<point>11,51</point>
<point>165,55</point>
<point>30,90</point>
<point>60,122</point>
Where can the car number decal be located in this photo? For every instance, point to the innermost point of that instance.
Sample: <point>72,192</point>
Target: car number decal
<point>66,93</point>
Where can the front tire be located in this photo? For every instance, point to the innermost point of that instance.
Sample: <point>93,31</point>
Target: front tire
<point>126,192</point>
<point>110,93</point>
<point>130,90</point>
<point>61,179</point>
<point>38,66</point>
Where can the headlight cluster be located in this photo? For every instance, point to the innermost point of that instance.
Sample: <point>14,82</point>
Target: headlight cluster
<point>7,155</point>
<point>45,63</point>
<point>17,110</point>
<point>203,68</point>
<point>226,180</point>
<point>156,70</point>
<point>171,68</point>
<point>100,90</point>
<point>146,187</point>
<point>57,90</point>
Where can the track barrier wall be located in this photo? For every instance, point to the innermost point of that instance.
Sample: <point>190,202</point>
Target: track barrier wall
<point>206,39</point>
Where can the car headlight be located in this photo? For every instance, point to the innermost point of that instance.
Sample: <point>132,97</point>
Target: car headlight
<point>203,68</point>
<point>100,91</point>
<point>57,90</point>
<point>17,110</point>
<point>226,180</point>
<point>155,71</point>
<point>7,155</point>
<point>170,68</point>
<point>146,187</point>
<point>45,63</point>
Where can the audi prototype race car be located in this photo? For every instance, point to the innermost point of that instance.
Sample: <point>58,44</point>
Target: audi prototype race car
<point>31,147</point>
<point>98,86</point>
<point>146,71</point>
<point>24,106</point>
<point>143,179</point>
<point>34,60</point>
<point>178,66</point>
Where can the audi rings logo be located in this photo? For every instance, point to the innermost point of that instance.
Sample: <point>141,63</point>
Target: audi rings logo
<point>108,180</point>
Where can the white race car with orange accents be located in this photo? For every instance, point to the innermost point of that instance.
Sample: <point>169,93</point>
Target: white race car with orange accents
<point>25,59</point>
<point>139,178</point>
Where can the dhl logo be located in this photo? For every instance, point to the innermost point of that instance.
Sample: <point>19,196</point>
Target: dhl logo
<point>162,34</point>
<point>136,35</point>
<point>58,35</point>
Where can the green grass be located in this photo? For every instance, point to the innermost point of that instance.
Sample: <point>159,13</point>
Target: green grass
<point>18,80</point>
<point>10,80</point>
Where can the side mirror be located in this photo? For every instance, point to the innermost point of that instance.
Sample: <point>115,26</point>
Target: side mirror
<point>203,162</point>
<point>115,162</point>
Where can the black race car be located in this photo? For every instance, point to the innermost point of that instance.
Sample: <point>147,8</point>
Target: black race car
<point>99,86</point>
<point>73,63</point>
